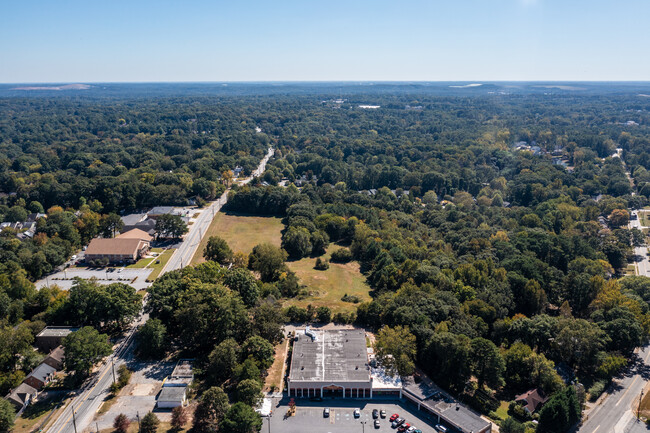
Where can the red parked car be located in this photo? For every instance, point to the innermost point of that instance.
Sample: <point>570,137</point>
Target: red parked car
<point>394,417</point>
<point>404,427</point>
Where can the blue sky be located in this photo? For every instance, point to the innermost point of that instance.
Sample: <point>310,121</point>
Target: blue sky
<point>323,40</point>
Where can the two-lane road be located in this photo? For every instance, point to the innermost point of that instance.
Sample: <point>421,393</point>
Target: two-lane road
<point>183,255</point>
<point>83,407</point>
<point>617,412</point>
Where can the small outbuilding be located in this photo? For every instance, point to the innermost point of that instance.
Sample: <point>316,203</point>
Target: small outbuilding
<point>171,397</point>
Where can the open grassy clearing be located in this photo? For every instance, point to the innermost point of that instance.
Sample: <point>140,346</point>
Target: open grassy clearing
<point>326,288</point>
<point>242,232</point>
<point>36,414</point>
<point>157,267</point>
<point>143,263</point>
<point>630,270</point>
<point>274,373</point>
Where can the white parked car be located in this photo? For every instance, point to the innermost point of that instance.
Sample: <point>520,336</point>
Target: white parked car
<point>357,413</point>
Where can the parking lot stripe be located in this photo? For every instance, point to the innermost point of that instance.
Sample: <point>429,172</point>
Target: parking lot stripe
<point>332,417</point>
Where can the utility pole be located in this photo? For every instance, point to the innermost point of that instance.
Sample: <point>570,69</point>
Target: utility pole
<point>97,426</point>
<point>137,415</point>
<point>363,426</point>
<point>74,420</point>
<point>638,411</point>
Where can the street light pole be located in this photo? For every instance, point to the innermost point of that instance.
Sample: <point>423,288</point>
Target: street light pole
<point>74,420</point>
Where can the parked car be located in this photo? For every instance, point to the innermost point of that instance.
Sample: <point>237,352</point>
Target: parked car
<point>377,423</point>
<point>417,430</point>
<point>404,427</point>
<point>410,429</point>
<point>357,413</point>
<point>375,414</point>
<point>441,428</point>
<point>326,412</point>
<point>393,417</point>
<point>398,422</point>
<point>382,413</point>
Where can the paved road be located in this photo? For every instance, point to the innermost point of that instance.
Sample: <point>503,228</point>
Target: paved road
<point>183,255</point>
<point>616,413</point>
<point>91,396</point>
<point>643,265</point>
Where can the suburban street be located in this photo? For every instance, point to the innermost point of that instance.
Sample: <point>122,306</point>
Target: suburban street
<point>641,253</point>
<point>617,412</point>
<point>183,255</point>
<point>88,399</point>
<point>79,413</point>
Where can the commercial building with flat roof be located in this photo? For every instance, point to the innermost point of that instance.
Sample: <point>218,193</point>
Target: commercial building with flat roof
<point>333,363</point>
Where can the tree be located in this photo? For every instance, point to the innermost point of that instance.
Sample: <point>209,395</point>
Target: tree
<point>210,411</point>
<point>223,360</point>
<point>7,416</point>
<point>268,260</point>
<point>149,423</point>
<point>619,218</point>
<point>260,349</point>
<point>84,348</point>
<point>151,339</point>
<point>324,314</point>
<point>396,349</point>
<point>170,226</point>
<point>111,224</point>
<point>297,242</point>
<point>121,423</point>
<point>560,413</point>
<point>487,364</point>
<point>179,418</point>
<point>217,250</point>
<point>241,281</point>
<point>249,391</point>
<point>511,425</point>
<point>241,418</point>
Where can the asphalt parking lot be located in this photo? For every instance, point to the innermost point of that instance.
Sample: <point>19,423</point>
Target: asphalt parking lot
<point>309,416</point>
<point>133,276</point>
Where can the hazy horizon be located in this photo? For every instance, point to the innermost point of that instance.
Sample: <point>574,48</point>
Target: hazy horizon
<point>339,41</point>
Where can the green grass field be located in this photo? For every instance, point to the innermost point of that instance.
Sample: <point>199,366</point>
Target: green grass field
<point>157,267</point>
<point>241,232</point>
<point>645,218</point>
<point>326,288</point>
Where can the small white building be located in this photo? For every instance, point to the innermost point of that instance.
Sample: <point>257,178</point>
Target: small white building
<point>171,397</point>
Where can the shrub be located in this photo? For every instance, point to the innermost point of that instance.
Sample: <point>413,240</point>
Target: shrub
<point>596,390</point>
<point>324,314</point>
<point>342,255</point>
<point>321,265</point>
<point>350,298</point>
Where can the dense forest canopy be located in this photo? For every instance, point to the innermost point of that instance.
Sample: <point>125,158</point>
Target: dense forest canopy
<point>489,224</point>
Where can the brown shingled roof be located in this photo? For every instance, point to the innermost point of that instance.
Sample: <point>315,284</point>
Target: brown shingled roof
<point>532,399</point>
<point>116,246</point>
<point>135,234</point>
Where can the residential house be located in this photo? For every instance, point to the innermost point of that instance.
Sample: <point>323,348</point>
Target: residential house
<point>40,376</point>
<point>22,396</point>
<point>531,400</point>
<point>55,358</point>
